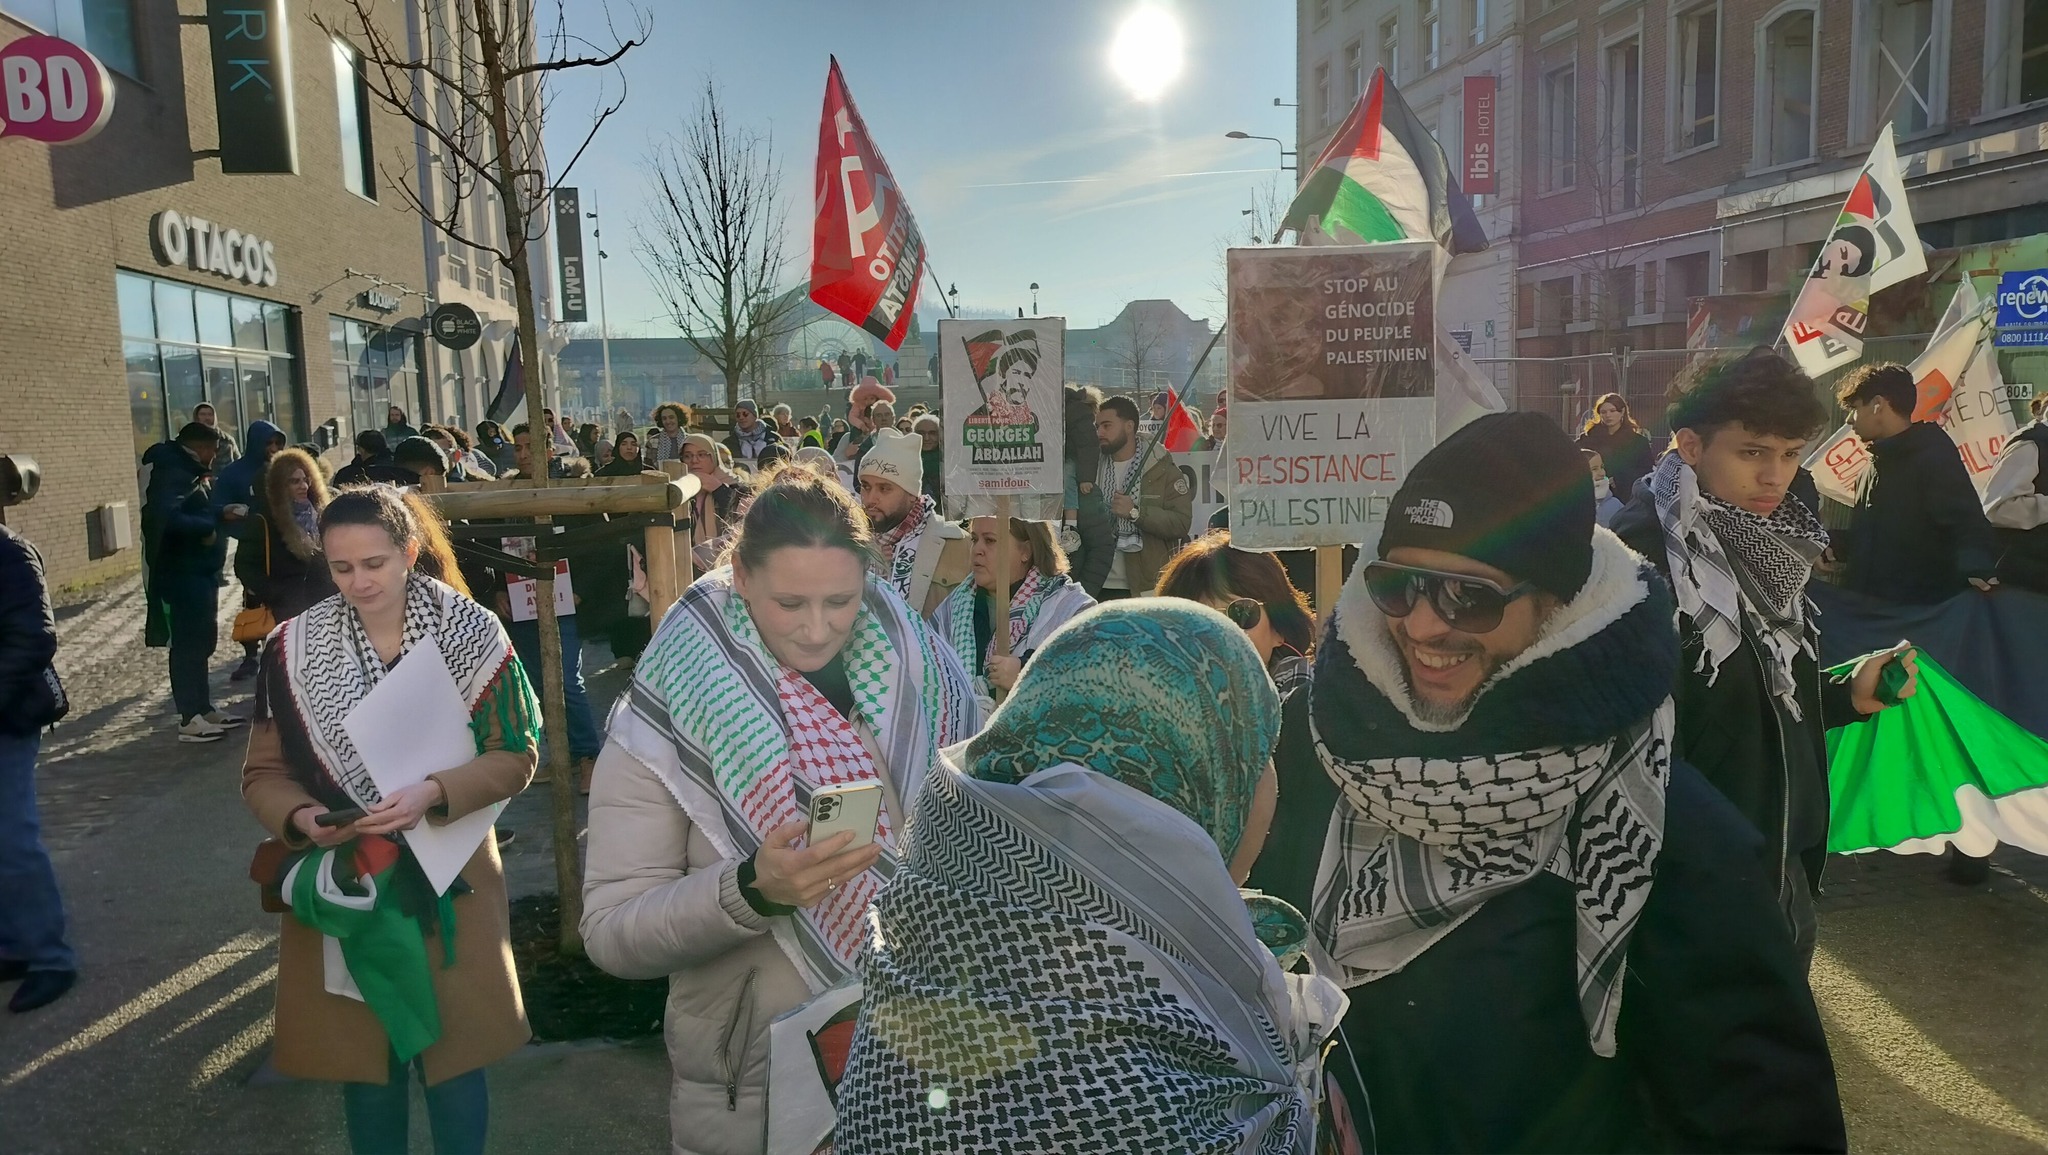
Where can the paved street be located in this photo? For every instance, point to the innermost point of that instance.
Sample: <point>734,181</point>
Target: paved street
<point>1931,992</point>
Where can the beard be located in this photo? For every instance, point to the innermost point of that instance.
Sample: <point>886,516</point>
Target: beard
<point>887,523</point>
<point>1116,446</point>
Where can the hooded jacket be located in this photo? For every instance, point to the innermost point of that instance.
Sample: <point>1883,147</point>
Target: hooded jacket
<point>1479,1043</point>
<point>179,533</point>
<point>236,483</point>
<point>1919,533</point>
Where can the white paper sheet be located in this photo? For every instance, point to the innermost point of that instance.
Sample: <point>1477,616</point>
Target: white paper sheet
<point>414,723</point>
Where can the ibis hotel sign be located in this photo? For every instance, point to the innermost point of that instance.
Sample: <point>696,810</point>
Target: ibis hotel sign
<point>53,91</point>
<point>211,247</point>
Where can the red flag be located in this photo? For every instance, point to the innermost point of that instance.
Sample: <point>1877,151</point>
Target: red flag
<point>1180,425</point>
<point>866,253</point>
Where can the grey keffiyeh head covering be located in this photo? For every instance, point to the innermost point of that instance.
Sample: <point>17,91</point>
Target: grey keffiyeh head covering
<point>1165,696</point>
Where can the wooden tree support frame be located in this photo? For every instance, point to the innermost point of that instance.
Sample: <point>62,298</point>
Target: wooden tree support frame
<point>481,510</point>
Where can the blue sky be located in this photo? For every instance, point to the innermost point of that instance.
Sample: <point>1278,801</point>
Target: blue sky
<point>1021,153</point>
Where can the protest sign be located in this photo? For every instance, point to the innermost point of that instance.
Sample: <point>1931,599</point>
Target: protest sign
<point>1005,415</point>
<point>1203,469</point>
<point>1332,388</point>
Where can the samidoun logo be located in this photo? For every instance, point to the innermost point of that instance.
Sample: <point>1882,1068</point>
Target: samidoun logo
<point>1429,511</point>
<point>2023,298</point>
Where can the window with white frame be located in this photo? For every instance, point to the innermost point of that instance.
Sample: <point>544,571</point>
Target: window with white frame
<point>1558,129</point>
<point>1432,36</point>
<point>1622,95</point>
<point>352,101</point>
<point>1390,47</point>
<point>1354,70</point>
<point>1696,104</point>
<point>1322,12</point>
<point>1903,65</point>
<point>2015,53</point>
<point>1322,93</point>
<point>1475,20</point>
<point>1785,86</point>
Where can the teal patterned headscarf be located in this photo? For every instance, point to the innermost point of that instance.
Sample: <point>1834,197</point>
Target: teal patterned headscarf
<point>1163,695</point>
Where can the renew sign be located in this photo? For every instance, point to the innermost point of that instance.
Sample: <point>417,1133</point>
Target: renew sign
<point>53,91</point>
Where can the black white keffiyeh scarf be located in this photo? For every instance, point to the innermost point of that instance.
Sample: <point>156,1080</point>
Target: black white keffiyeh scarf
<point>1063,964</point>
<point>1729,566</point>
<point>1106,480</point>
<point>1560,765</point>
<point>321,665</point>
<point>896,550</point>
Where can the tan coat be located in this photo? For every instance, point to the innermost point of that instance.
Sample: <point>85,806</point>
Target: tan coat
<point>330,1037</point>
<point>1166,508</point>
<point>659,902</point>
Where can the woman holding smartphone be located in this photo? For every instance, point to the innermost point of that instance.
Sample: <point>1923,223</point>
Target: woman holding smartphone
<point>780,677</point>
<point>421,981</point>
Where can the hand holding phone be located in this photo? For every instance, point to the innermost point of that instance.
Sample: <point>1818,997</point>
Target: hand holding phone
<point>339,817</point>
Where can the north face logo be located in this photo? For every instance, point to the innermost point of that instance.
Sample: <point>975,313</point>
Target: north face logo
<point>1429,511</point>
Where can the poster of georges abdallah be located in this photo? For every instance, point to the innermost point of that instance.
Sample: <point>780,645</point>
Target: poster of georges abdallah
<point>1004,414</point>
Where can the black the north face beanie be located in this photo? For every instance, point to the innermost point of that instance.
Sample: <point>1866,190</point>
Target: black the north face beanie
<point>1509,490</point>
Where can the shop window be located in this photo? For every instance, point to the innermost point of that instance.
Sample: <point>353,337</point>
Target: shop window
<point>1390,47</point>
<point>105,27</point>
<point>352,98</point>
<point>1623,82</point>
<point>184,346</point>
<point>1432,36</point>
<point>1785,82</point>
<point>1558,129</point>
<point>1475,21</point>
<point>374,369</point>
<point>1903,65</point>
<point>1698,73</point>
<point>1354,71</point>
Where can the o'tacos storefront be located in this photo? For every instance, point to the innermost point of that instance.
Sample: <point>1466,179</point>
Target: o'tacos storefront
<point>222,236</point>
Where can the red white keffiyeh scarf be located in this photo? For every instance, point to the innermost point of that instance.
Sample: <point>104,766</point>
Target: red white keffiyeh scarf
<point>896,550</point>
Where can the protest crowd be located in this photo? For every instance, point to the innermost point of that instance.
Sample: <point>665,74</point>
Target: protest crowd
<point>1139,839</point>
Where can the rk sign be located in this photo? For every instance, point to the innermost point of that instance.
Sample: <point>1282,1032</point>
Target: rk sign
<point>53,91</point>
<point>252,85</point>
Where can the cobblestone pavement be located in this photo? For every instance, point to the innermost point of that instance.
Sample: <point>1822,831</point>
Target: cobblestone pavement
<point>1931,992</point>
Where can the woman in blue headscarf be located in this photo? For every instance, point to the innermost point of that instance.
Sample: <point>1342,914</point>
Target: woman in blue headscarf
<point>1063,960</point>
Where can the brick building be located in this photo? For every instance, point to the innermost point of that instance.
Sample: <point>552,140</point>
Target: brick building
<point>142,279</point>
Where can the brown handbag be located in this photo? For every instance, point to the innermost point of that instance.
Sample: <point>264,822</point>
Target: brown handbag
<point>266,870</point>
<point>255,624</point>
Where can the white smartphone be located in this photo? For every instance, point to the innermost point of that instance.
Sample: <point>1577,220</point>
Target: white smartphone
<point>854,806</point>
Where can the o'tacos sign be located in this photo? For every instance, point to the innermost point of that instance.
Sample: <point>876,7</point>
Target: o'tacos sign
<point>211,247</point>
<point>53,91</point>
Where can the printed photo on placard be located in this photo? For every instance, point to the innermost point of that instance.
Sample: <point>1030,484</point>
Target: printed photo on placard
<point>1314,324</point>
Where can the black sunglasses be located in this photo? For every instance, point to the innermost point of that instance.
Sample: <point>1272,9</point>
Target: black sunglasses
<point>1471,605</point>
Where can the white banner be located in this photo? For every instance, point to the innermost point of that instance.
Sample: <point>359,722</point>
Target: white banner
<point>1333,363</point>
<point>1204,470</point>
<point>1872,246</point>
<point>1005,414</point>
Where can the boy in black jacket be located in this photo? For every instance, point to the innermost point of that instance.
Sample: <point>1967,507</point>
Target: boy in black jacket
<point>1719,517</point>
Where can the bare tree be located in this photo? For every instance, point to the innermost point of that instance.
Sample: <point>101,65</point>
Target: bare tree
<point>712,241</point>
<point>1137,348</point>
<point>477,88</point>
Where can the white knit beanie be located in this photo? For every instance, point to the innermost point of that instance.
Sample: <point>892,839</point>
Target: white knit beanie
<point>897,457</point>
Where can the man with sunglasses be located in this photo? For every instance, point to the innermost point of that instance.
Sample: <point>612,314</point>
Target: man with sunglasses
<point>1555,935</point>
<point>1718,516</point>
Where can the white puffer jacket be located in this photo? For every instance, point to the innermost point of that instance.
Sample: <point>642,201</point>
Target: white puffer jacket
<point>658,900</point>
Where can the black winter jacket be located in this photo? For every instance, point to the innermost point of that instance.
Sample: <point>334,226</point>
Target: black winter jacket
<point>1772,766</point>
<point>1479,1044</point>
<point>1920,531</point>
<point>179,533</point>
<point>28,628</point>
<point>1626,456</point>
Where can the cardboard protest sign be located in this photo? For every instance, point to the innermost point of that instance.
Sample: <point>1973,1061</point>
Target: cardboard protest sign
<point>1005,414</point>
<point>1333,365</point>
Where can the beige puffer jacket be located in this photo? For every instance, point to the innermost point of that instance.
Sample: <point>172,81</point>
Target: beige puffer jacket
<point>658,900</point>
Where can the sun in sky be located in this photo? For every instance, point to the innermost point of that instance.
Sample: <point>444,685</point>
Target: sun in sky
<point>1146,53</point>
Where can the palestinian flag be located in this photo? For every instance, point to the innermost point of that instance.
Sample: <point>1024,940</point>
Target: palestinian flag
<point>1940,768</point>
<point>1383,177</point>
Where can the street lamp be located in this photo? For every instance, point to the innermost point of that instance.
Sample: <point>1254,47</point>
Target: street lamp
<point>1284,152</point>
<point>1034,298</point>
<point>604,324</point>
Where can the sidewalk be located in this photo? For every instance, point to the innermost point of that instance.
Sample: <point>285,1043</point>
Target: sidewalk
<point>154,1050</point>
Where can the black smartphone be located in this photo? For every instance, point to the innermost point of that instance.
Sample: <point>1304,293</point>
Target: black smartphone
<point>340,817</point>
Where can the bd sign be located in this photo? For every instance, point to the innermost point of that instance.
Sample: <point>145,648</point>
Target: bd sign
<point>53,91</point>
